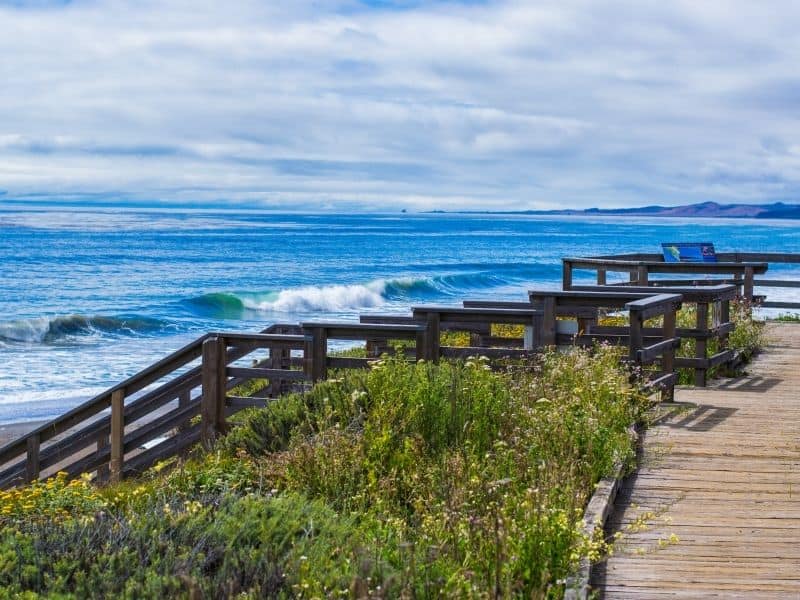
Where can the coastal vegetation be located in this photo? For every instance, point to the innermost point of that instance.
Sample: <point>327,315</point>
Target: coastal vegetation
<point>787,318</point>
<point>404,480</point>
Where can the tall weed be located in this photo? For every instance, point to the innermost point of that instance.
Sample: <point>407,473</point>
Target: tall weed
<point>448,480</point>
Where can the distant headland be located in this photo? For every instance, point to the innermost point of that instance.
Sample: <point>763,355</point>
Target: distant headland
<point>777,210</point>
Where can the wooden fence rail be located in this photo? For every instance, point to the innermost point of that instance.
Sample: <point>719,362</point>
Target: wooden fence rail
<point>712,320</point>
<point>129,436</point>
<point>187,397</point>
<point>645,346</point>
<point>737,268</point>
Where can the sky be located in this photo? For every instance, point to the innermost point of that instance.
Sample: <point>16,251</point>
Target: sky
<point>385,105</point>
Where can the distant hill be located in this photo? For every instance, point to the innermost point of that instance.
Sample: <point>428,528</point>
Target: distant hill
<point>777,210</point>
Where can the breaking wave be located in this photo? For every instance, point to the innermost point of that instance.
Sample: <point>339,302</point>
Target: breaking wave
<point>47,330</point>
<point>340,298</point>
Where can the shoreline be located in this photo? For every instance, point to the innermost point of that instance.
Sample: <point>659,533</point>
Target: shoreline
<point>13,431</point>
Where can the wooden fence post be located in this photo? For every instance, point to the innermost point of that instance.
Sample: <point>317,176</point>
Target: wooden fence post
<point>422,340</point>
<point>566,274</point>
<point>724,317</point>
<point>668,356</point>
<point>642,275</point>
<point>222,384</point>
<point>117,434</point>
<point>601,276</point>
<point>432,337</point>
<point>32,459</point>
<point>701,344</point>
<point>636,340</point>
<point>212,407</point>
<point>548,335</point>
<point>748,284</point>
<point>738,281</point>
<point>316,354</point>
<point>286,363</point>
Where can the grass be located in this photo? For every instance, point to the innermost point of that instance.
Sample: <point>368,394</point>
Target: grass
<point>787,318</point>
<point>406,480</point>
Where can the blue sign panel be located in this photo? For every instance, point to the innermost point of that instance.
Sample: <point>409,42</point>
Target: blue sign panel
<point>689,252</point>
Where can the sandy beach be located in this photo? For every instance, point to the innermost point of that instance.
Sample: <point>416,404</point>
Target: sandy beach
<point>9,433</point>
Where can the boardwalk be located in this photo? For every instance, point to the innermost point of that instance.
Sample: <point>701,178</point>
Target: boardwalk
<point>721,483</point>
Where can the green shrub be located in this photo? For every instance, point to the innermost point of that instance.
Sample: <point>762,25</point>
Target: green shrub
<point>457,470</point>
<point>787,318</point>
<point>409,479</point>
<point>255,545</point>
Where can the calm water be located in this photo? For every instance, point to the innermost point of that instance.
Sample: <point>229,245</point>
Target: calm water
<point>88,298</point>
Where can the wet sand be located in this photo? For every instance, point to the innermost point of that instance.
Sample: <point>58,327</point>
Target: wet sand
<point>9,433</point>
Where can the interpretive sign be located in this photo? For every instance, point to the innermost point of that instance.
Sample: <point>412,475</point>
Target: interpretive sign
<point>689,252</point>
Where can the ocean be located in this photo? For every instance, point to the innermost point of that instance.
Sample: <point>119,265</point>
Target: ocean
<point>89,297</point>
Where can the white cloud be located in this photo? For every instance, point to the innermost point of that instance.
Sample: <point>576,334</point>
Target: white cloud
<point>506,104</point>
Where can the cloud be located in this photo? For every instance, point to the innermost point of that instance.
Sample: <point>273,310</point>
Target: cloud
<point>380,104</point>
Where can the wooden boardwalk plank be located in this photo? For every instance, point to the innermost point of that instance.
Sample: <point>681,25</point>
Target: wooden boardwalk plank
<point>714,509</point>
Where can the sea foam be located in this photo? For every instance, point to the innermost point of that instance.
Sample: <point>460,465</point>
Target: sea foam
<point>42,330</point>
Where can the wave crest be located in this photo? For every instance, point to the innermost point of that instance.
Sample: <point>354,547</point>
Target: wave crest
<point>353,297</point>
<point>294,300</point>
<point>332,298</point>
<point>43,330</point>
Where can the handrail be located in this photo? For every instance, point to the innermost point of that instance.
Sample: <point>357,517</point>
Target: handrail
<point>102,401</point>
<point>689,292</point>
<point>779,257</point>
<point>743,266</point>
<point>665,306</point>
<point>654,305</point>
<point>96,431</point>
<point>620,262</point>
<point>118,451</point>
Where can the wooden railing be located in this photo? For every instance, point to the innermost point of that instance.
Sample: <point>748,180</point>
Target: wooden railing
<point>543,319</point>
<point>135,433</point>
<point>220,373</point>
<point>566,318</point>
<point>737,268</point>
<point>661,350</point>
<point>712,320</point>
<point>317,360</point>
<point>461,318</point>
<point>186,397</point>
